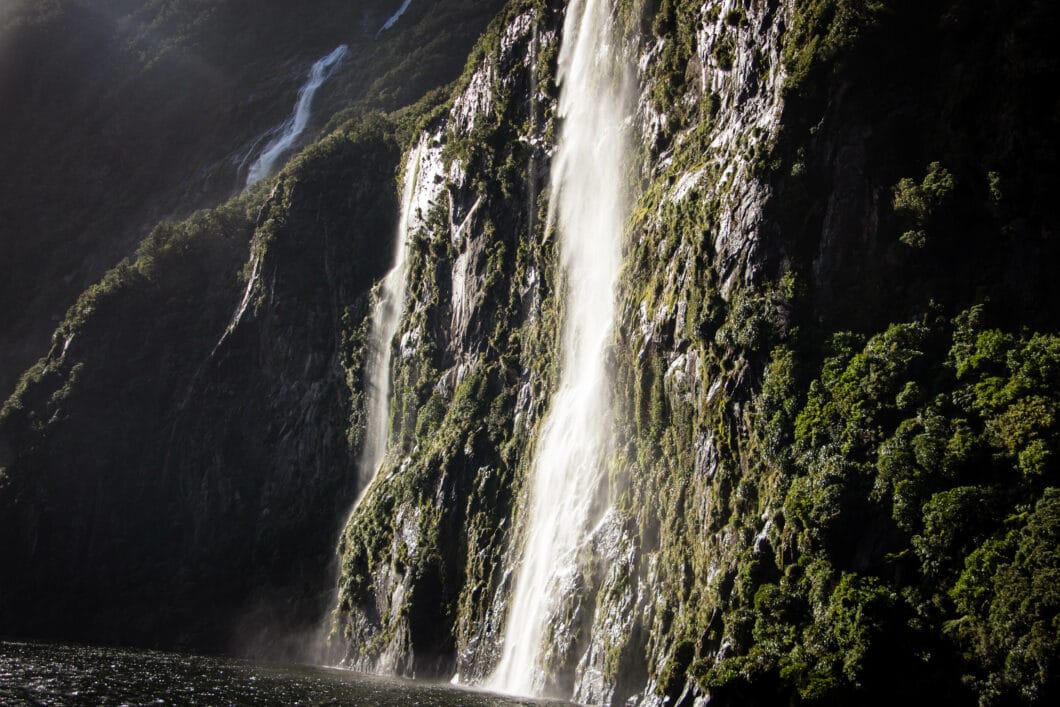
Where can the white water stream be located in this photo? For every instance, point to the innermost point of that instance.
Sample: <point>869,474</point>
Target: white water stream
<point>394,18</point>
<point>589,206</point>
<point>386,317</point>
<point>294,126</point>
<point>387,310</point>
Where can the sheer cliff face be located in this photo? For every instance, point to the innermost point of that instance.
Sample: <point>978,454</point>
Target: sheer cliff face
<point>755,541</point>
<point>835,382</point>
<point>420,557</point>
<point>177,466</point>
<point>181,457</point>
<point>428,557</point>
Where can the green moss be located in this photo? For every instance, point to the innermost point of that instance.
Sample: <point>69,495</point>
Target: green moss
<point>725,53</point>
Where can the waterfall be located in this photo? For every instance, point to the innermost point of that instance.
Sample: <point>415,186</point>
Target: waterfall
<point>588,208</point>
<point>255,272</point>
<point>386,317</point>
<point>294,126</point>
<point>387,311</point>
<point>395,17</point>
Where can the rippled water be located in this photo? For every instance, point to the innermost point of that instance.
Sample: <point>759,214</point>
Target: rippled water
<point>43,674</point>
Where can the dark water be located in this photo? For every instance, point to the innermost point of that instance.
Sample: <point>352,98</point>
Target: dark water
<point>42,674</point>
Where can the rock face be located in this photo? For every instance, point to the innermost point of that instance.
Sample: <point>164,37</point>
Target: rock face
<point>421,554</point>
<point>835,379</point>
<point>769,214</point>
<point>172,518</point>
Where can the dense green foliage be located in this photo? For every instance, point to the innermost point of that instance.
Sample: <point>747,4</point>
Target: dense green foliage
<point>817,499</point>
<point>920,466</point>
<point>818,504</point>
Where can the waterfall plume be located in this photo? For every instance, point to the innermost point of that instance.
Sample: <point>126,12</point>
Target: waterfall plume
<point>388,307</point>
<point>588,208</point>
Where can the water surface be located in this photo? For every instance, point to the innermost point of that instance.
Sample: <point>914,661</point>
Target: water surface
<point>47,674</point>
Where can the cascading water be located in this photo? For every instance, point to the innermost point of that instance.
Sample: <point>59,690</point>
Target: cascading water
<point>294,126</point>
<point>395,17</point>
<point>589,208</point>
<point>386,317</point>
<point>387,311</point>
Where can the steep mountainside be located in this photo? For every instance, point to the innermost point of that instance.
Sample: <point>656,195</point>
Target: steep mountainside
<point>832,383</point>
<point>185,91</point>
<point>216,464</point>
<point>118,113</point>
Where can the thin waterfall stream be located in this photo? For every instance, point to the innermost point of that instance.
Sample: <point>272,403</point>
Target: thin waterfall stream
<point>386,318</point>
<point>293,127</point>
<point>387,310</point>
<point>588,209</point>
<point>395,17</point>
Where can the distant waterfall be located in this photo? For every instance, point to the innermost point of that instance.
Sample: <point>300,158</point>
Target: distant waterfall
<point>294,126</point>
<point>386,317</point>
<point>589,208</point>
<point>394,18</point>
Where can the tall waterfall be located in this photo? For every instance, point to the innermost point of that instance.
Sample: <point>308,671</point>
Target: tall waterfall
<point>387,310</point>
<point>294,126</point>
<point>588,207</point>
<point>386,317</point>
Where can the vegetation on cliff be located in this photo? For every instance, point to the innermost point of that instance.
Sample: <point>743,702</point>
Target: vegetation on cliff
<point>836,375</point>
<point>177,466</point>
<point>871,472</point>
<point>119,114</point>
